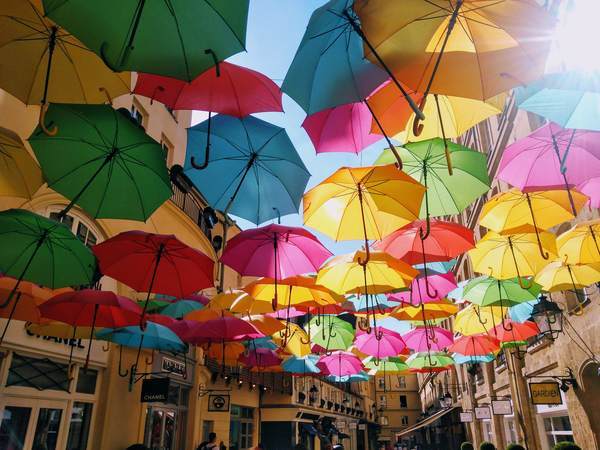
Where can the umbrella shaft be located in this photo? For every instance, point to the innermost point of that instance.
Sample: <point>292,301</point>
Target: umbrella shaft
<point>51,46</point>
<point>135,22</point>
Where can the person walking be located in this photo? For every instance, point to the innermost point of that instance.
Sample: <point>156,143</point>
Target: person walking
<point>211,444</point>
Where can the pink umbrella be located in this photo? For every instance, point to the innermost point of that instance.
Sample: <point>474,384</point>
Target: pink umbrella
<point>591,188</point>
<point>340,363</point>
<point>440,284</point>
<point>182,328</point>
<point>380,343</point>
<point>223,329</point>
<point>345,128</point>
<point>423,339</point>
<point>551,157</point>
<point>287,313</point>
<point>260,357</point>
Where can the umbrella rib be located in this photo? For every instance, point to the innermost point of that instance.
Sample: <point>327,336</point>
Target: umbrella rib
<point>61,45</point>
<point>169,6</point>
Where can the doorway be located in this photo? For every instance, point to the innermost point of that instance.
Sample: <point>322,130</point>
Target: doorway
<point>161,426</point>
<point>32,424</point>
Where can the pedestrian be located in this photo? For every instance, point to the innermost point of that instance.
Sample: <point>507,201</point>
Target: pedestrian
<point>211,444</point>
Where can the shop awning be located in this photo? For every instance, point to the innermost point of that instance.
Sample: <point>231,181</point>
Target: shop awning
<point>428,421</point>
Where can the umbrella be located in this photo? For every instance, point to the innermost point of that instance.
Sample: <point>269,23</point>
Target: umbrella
<point>263,342</point>
<point>385,365</point>
<point>156,263</point>
<point>179,39</point>
<point>47,64</point>
<point>260,357</point>
<point>222,329</point>
<point>58,329</point>
<point>41,250</point>
<point>381,198</point>
<point>558,276</point>
<point>463,359</point>
<point>223,301</point>
<point>180,308</point>
<point>515,333</point>
<point>330,332</point>
<point>206,314</point>
<point>227,353</point>
<point>29,296</point>
<point>475,345</point>
<point>20,175</point>
<point>514,209</point>
<point>301,365</point>
<point>551,157</point>
<point>591,188</point>
<point>429,362</point>
<point>454,175</point>
<point>441,284</point>
<point>423,339</point>
<point>570,99</point>
<point>522,312</point>
<point>340,364</point>
<point>378,303</point>
<point>477,319</point>
<point>293,340</point>
<point>345,128</point>
<point>440,309</point>
<point>266,325</point>
<point>91,308</point>
<point>286,314</point>
<point>514,255</point>
<point>381,343</point>
<point>102,161</point>
<point>580,244</point>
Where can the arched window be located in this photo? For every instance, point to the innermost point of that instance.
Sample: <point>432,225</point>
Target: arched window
<point>81,227</point>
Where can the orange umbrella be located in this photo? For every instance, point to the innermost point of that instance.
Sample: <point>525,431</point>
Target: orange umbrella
<point>266,325</point>
<point>27,298</point>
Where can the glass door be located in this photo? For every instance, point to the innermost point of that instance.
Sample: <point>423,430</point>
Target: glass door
<point>161,428</point>
<point>30,424</point>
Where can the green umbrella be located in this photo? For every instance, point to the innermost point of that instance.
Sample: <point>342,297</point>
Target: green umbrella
<point>446,194</point>
<point>102,161</point>
<point>386,365</point>
<point>330,332</point>
<point>429,361</point>
<point>177,38</point>
<point>43,251</point>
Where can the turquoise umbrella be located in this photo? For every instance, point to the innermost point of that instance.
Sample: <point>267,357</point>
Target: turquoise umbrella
<point>154,336</point>
<point>356,378</point>
<point>301,365</point>
<point>570,99</point>
<point>264,342</point>
<point>462,359</point>
<point>180,308</point>
<point>522,312</point>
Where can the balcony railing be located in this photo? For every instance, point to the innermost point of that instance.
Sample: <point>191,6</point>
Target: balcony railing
<point>274,382</point>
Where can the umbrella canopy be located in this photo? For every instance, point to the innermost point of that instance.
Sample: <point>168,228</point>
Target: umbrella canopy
<point>224,300</point>
<point>288,313</point>
<point>387,365</point>
<point>558,276</point>
<point>330,332</point>
<point>464,359</point>
<point>293,340</point>
<point>426,362</point>
<point>551,157</point>
<point>475,345</point>
<point>48,64</point>
<point>440,284</point>
<point>345,128</point>
<point>154,336</point>
<point>253,170</point>
<point>225,352</point>
<point>329,68</point>
<point>265,324</point>
<point>193,35</point>
<point>260,357</point>
<point>345,274</point>
<point>102,161</point>
<point>381,198</point>
<point>380,343</point>
<point>378,303</point>
<point>301,365</point>
<point>514,255</point>
<point>509,331</point>
<point>234,90</point>
<point>180,308</point>
<point>157,263</point>
<point>477,319</point>
<point>570,99</point>
<point>447,193</point>
<point>276,251</point>
<point>423,42</point>
<point>20,175</point>
<point>222,329</point>
<point>59,330</point>
<point>522,312</point>
<point>340,364</point>
<point>488,291</point>
<point>423,339</point>
<point>439,309</point>
<point>30,296</point>
<point>591,188</point>
<point>580,244</point>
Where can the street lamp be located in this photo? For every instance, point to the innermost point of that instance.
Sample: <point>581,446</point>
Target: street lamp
<point>446,400</point>
<point>312,394</point>
<point>548,317</point>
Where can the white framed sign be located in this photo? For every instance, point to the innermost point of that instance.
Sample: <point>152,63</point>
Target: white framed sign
<point>466,416</point>
<point>502,407</point>
<point>483,412</point>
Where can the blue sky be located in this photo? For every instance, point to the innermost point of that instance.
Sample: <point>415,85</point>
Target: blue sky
<point>275,28</point>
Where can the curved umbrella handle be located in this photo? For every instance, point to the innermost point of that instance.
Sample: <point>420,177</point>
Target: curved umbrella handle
<point>425,234</point>
<point>122,373</point>
<point>508,327</point>
<point>204,165</point>
<point>109,98</point>
<point>307,341</point>
<point>42,121</point>
<point>210,51</point>
<point>478,313</point>
<point>363,324</point>
<point>417,127</point>
<point>151,360</point>
<point>107,348</point>
<point>367,259</point>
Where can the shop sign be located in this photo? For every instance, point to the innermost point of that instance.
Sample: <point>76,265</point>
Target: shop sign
<point>155,390</point>
<point>547,393</point>
<point>483,412</point>
<point>218,403</point>
<point>353,425</point>
<point>502,407</point>
<point>466,416</point>
<point>173,366</point>
<point>362,426</point>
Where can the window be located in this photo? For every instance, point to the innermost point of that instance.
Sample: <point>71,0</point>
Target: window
<point>404,420</point>
<point>557,429</point>
<point>403,401</point>
<point>576,299</point>
<point>37,373</point>
<point>80,229</point>
<point>241,428</point>
<point>401,382</point>
<point>86,381</point>
<point>168,148</point>
<point>381,382</point>
<point>79,428</point>
<point>138,114</point>
<point>208,427</point>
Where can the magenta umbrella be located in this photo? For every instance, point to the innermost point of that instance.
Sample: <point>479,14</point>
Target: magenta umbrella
<point>345,128</point>
<point>591,188</point>
<point>260,357</point>
<point>440,284</point>
<point>424,339</point>
<point>287,313</point>
<point>551,157</point>
<point>340,363</point>
<point>380,343</point>
<point>223,329</point>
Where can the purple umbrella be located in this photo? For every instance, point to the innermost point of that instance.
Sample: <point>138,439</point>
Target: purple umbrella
<point>423,339</point>
<point>440,284</point>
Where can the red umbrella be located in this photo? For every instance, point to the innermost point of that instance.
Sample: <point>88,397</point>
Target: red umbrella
<point>510,331</point>
<point>475,345</point>
<point>221,330</point>
<point>91,308</point>
<point>155,263</point>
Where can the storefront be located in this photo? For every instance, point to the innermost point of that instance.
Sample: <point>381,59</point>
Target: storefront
<point>554,424</point>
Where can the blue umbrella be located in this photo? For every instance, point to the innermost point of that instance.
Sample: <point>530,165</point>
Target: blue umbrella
<point>301,365</point>
<point>437,267</point>
<point>462,359</point>
<point>253,170</point>
<point>361,376</point>
<point>155,336</point>
<point>522,312</point>
<point>264,342</point>
<point>376,304</point>
<point>180,308</point>
<point>571,99</point>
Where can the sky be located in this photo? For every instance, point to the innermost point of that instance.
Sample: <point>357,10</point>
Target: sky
<point>275,28</point>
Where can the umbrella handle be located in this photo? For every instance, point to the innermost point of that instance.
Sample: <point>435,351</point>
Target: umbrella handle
<point>578,311</point>
<point>523,284</point>
<point>478,313</point>
<point>151,360</point>
<point>107,348</point>
<point>210,51</point>
<point>510,326</point>
<point>425,234</point>
<point>417,127</point>
<point>109,98</point>
<point>122,373</point>
<point>361,324</point>
<point>204,165</point>
<point>42,120</point>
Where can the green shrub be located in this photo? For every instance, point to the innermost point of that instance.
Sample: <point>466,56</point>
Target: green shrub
<point>487,446</point>
<point>515,447</point>
<point>566,445</point>
<point>466,446</point>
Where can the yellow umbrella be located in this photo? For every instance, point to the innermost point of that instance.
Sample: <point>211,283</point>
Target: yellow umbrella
<point>47,64</point>
<point>293,340</point>
<point>514,255</point>
<point>580,244</point>
<point>345,274</point>
<point>558,276</point>
<point>440,309</point>
<point>363,203</point>
<point>293,291</point>
<point>225,300</point>
<point>20,176</point>
<point>476,319</point>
